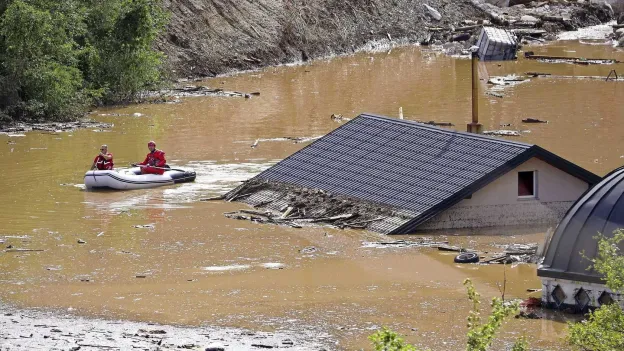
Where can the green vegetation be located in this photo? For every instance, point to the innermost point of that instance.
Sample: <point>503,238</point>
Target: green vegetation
<point>604,329</point>
<point>480,335</point>
<point>60,56</point>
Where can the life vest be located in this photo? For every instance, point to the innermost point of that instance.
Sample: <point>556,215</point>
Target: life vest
<point>154,159</point>
<point>102,164</point>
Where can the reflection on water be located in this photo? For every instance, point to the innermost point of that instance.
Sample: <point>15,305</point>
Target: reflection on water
<point>201,268</point>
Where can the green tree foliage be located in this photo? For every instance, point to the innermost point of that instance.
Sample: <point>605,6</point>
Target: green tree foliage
<point>604,329</point>
<point>57,57</point>
<point>480,335</point>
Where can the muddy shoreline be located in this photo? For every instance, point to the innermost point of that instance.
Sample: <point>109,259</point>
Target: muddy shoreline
<point>22,329</point>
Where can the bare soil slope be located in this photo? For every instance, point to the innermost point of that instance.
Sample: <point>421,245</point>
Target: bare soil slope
<point>208,37</point>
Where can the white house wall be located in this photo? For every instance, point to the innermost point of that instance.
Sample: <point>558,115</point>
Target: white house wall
<point>497,204</point>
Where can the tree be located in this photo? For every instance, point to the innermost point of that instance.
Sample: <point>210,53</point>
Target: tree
<point>604,329</point>
<point>59,56</point>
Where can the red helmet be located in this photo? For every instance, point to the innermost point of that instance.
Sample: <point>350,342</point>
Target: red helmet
<point>151,143</point>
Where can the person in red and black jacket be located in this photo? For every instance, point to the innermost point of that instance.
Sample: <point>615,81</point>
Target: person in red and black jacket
<point>103,161</point>
<point>155,158</point>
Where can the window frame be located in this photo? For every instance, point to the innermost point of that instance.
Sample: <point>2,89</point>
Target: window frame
<point>527,197</point>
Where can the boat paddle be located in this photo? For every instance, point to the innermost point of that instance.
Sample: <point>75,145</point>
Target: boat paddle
<point>166,169</point>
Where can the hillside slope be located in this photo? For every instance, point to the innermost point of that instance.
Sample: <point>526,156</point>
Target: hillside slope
<point>207,37</point>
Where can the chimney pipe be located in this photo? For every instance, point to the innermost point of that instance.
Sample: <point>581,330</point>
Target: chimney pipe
<point>475,126</point>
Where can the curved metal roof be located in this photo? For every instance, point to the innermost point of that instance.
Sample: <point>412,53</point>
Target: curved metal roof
<point>599,210</point>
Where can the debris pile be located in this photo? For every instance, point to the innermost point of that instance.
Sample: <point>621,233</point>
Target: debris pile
<point>200,90</point>
<point>515,253</point>
<point>282,204</point>
<point>400,244</point>
<point>54,127</point>
<point>575,60</point>
<point>536,21</point>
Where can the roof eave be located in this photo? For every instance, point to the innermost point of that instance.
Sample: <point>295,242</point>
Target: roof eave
<point>565,165</point>
<point>411,226</point>
<point>533,151</point>
<point>572,276</point>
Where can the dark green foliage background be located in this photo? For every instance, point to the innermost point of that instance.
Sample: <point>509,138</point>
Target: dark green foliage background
<point>57,58</point>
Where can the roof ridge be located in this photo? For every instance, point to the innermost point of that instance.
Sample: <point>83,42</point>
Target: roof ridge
<point>445,131</point>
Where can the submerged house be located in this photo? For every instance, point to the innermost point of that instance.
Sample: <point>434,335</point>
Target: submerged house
<point>431,178</point>
<point>566,280</point>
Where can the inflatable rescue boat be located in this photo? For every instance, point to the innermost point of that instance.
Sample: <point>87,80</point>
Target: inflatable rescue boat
<point>131,178</point>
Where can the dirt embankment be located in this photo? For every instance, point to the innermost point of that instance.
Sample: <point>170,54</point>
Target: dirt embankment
<point>208,37</point>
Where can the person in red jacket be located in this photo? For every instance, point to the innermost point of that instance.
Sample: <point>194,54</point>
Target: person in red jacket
<point>155,158</point>
<point>103,161</point>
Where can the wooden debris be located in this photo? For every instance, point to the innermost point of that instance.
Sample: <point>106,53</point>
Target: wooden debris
<point>365,222</point>
<point>450,248</point>
<point>214,198</point>
<point>502,132</point>
<point>401,244</point>
<point>438,124</point>
<point>263,203</point>
<point>533,120</point>
<point>257,213</point>
<point>537,74</point>
<point>467,28</point>
<point>288,212</point>
<point>333,218</point>
<point>577,60</point>
<point>495,94</point>
<point>23,250</point>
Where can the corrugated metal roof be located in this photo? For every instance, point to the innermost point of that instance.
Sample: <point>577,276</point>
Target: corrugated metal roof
<point>406,165</point>
<point>599,210</point>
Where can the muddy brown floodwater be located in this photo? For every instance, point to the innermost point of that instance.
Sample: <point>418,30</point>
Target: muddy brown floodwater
<point>196,267</point>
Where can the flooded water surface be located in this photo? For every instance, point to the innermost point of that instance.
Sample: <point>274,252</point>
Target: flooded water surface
<point>161,255</point>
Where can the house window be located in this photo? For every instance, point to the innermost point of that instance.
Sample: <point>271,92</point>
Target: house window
<point>526,184</point>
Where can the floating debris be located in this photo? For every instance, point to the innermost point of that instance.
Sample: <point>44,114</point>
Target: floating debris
<point>533,120</point>
<point>235,267</point>
<point>200,90</point>
<point>422,242</point>
<point>438,124</point>
<point>308,250</point>
<point>511,79</point>
<point>18,129</point>
<point>273,265</point>
<point>144,226</point>
<point>502,132</point>
<point>495,94</point>
<point>515,253</point>
<point>339,118</point>
<point>530,55</point>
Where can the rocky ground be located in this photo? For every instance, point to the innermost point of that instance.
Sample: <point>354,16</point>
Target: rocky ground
<point>36,330</point>
<point>209,37</point>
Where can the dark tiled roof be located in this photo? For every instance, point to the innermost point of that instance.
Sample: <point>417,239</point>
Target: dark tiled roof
<point>406,165</point>
<point>599,210</point>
